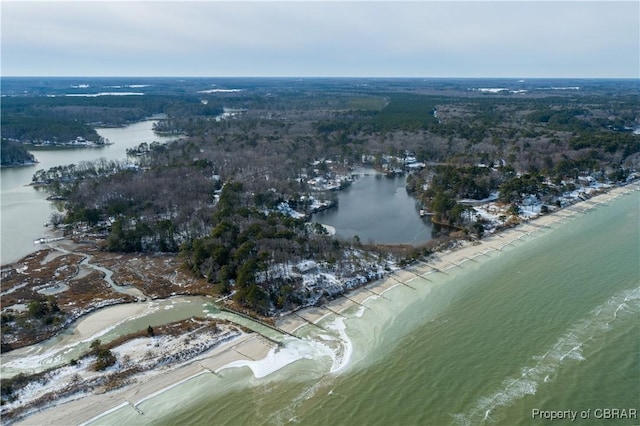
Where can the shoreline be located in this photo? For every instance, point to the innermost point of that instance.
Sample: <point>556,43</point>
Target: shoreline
<point>443,261</point>
<point>252,346</point>
<point>84,409</point>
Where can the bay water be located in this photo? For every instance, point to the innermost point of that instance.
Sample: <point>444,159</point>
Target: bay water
<point>550,323</point>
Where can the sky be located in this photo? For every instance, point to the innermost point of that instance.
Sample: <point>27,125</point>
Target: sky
<point>582,39</point>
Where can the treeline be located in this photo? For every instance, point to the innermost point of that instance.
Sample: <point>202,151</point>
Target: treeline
<point>63,180</point>
<point>142,211</point>
<point>401,111</point>
<point>607,141</point>
<point>408,112</point>
<point>585,114</point>
<point>512,190</point>
<point>464,181</point>
<point>37,129</point>
<point>528,132</point>
<point>440,189</point>
<point>14,154</point>
<point>62,118</point>
<point>250,251</point>
<point>575,119</point>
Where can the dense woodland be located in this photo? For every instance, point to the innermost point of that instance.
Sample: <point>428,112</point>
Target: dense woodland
<point>15,154</point>
<point>210,196</point>
<point>61,119</point>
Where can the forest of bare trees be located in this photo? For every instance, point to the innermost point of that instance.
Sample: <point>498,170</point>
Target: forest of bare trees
<point>210,195</point>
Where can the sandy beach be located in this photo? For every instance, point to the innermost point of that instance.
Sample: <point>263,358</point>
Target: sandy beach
<point>251,346</point>
<point>103,319</point>
<point>443,261</point>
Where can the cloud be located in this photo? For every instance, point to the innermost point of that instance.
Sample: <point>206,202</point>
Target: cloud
<point>334,38</point>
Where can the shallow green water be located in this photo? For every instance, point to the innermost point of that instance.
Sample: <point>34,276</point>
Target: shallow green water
<point>551,323</point>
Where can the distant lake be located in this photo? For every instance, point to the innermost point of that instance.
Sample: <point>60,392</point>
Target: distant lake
<point>377,209</point>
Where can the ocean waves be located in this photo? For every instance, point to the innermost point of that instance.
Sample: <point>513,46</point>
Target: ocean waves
<point>572,346</point>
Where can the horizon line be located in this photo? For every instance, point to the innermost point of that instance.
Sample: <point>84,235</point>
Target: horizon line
<point>322,77</point>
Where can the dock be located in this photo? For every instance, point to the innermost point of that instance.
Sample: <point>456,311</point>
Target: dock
<point>44,240</point>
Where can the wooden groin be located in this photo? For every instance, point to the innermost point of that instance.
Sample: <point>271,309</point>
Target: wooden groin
<point>402,282</point>
<point>308,322</point>
<point>335,312</point>
<point>356,302</point>
<point>433,268</point>
<point>210,370</point>
<point>135,407</point>
<point>240,353</point>
<point>377,294</point>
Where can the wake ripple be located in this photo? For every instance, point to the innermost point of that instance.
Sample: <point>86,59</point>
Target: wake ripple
<point>544,367</point>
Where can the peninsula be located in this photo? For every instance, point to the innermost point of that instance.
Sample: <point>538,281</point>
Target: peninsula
<point>226,215</point>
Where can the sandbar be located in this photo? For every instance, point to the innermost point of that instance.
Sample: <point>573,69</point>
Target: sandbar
<point>248,346</point>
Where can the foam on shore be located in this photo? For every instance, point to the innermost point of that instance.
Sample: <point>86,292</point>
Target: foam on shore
<point>278,358</point>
